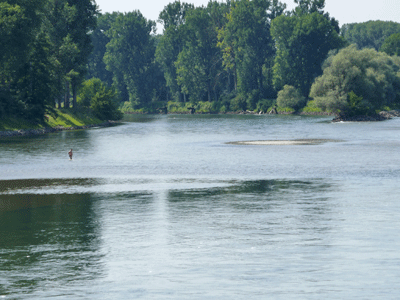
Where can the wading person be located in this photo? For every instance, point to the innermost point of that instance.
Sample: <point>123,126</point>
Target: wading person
<point>70,154</point>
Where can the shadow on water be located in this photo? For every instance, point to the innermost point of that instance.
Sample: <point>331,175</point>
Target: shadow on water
<point>47,241</point>
<point>51,243</point>
<point>273,188</point>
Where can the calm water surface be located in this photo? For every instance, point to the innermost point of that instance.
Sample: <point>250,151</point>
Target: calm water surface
<point>161,207</point>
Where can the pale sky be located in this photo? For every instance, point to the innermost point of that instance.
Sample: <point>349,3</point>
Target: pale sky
<point>345,11</point>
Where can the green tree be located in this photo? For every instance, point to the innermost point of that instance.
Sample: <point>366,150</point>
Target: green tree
<point>391,45</point>
<point>371,34</point>
<point>19,26</point>
<point>199,63</point>
<point>303,43</point>
<point>69,24</point>
<point>35,88</point>
<point>130,55</point>
<point>290,97</point>
<point>96,65</point>
<point>356,81</point>
<point>171,43</point>
<point>247,45</point>
<point>100,98</point>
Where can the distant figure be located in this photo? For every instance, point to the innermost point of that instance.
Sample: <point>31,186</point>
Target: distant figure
<point>70,154</point>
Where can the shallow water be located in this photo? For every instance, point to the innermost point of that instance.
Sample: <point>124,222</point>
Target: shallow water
<point>163,207</point>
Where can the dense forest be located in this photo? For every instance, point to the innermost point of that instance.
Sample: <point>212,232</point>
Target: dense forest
<point>227,56</point>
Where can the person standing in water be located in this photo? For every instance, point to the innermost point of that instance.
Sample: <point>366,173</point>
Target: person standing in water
<point>70,154</point>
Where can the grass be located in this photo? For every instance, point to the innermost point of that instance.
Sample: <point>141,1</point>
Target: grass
<point>62,117</point>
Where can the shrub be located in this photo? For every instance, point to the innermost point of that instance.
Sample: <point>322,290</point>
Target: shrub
<point>311,107</point>
<point>252,99</point>
<point>264,104</point>
<point>238,103</point>
<point>369,74</point>
<point>290,97</point>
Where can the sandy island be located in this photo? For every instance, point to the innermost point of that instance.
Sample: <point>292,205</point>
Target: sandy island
<point>285,142</point>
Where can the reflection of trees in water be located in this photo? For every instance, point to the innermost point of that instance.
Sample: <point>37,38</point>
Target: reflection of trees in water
<point>265,206</point>
<point>50,239</point>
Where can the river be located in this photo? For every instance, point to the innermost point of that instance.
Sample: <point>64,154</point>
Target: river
<point>165,207</point>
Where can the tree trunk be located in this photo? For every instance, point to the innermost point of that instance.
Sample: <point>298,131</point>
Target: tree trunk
<point>67,95</point>
<point>74,92</point>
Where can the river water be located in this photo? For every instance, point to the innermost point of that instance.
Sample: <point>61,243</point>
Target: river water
<point>163,207</point>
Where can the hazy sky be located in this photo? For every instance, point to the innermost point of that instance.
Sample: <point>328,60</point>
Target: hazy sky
<point>345,11</point>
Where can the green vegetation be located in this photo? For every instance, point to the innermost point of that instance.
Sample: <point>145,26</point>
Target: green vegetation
<point>290,97</point>
<point>59,117</point>
<point>358,82</point>
<point>228,56</point>
<point>391,45</point>
<point>371,34</point>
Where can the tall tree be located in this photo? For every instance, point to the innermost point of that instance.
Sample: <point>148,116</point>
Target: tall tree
<point>130,55</point>
<point>19,26</point>
<point>83,24</point>
<point>172,42</point>
<point>96,64</point>
<point>369,34</point>
<point>69,24</point>
<point>199,63</point>
<point>247,43</point>
<point>391,45</point>
<point>362,80</point>
<point>303,43</point>
<point>35,86</point>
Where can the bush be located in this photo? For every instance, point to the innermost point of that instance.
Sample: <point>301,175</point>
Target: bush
<point>88,90</point>
<point>100,98</point>
<point>103,106</point>
<point>311,107</point>
<point>253,99</point>
<point>238,103</point>
<point>352,74</point>
<point>290,97</point>
<point>264,104</point>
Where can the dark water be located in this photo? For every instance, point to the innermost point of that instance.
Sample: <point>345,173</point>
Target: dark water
<point>162,207</point>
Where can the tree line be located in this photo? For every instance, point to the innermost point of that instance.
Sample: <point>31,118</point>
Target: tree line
<point>45,46</point>
<point>233,55</point>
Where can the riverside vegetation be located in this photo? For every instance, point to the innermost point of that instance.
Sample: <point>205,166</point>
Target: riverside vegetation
<point>236,56</point>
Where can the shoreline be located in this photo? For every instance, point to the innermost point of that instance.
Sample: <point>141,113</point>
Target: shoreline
<point>46,130</point>
<point>382,116</point>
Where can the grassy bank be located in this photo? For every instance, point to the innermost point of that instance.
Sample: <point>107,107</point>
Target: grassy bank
<point>61,118</point>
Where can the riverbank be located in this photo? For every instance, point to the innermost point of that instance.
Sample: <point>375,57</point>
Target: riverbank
<point>61,120</point>
<point>381,116</point>
<point>45,130</point>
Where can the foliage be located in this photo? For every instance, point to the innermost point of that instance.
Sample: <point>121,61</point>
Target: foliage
<point>238,103</point>
<point>303,43</point>
<point>358,81</point>
<point>130,56</point>
<point>290,97</point>
<point>198,64</point>
<point>264,105</point>
<point>311,107</point>
<point>96,65</point>
<point>100,98</point>
<point>391,45</point>
<point>247,46</point>
<point>371,34</point>
<point>171,43</point>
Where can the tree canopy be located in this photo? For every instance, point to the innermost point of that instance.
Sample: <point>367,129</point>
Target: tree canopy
<point>358,81</point>
<point>371,34</point>
<point>236,54</point>
<point>391,45</point>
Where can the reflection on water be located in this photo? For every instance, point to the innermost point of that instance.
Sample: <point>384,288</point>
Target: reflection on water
<point>55,244</point>
<point>162,208</point>
<point>47,241</point>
